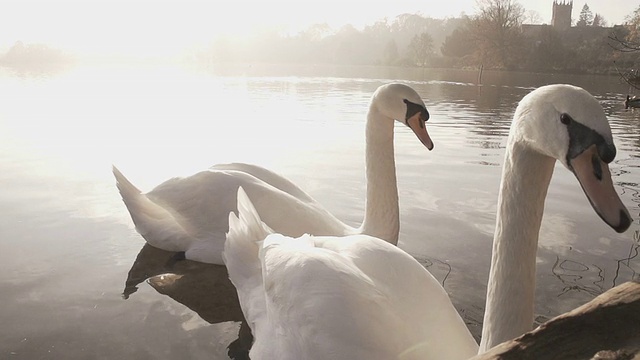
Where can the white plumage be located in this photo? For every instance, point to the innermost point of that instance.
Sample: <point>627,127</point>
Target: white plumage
<point>190,214</point>
<point>358,297</point>
<point>350,297</point>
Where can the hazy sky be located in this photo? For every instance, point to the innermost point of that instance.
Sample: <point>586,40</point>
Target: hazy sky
<point>161,26</point>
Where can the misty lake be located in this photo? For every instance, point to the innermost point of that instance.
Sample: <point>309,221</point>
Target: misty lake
<point>70,251</point>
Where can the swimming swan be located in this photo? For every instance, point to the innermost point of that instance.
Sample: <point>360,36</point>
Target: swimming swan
<point>358,297</point>
<point>560,122</point>
<point>191,214</point>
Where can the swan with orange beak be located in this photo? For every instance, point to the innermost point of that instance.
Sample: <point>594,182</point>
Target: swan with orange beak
<point>554,122</point>
<point>417,116</point>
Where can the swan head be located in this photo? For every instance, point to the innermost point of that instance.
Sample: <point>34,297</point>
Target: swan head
<point>401,103</point>
<point>567,123</point>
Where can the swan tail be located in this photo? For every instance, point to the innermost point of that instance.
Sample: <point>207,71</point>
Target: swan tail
<point>241,255</point>
<point>246,233</point>
<point>126,188</point>
<point>157,225</point>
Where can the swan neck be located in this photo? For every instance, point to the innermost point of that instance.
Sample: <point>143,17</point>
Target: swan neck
<point>381,218</point>
<point>509,308</point>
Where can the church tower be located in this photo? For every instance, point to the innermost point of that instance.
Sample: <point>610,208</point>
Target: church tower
<point>561,15</point>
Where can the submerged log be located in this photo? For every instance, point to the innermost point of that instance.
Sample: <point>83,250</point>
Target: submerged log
<point>607,327</point>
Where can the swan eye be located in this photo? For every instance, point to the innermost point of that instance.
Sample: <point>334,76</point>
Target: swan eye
<point>565,119</point>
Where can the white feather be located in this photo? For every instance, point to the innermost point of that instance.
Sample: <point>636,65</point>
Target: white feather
<point>359,297</point>
<point>190,214</point>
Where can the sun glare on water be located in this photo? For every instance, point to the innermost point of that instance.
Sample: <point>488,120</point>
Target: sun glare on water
<point>154,123</point>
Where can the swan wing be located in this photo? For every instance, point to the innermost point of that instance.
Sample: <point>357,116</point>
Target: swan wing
<point>241,257</point>
<point>191,213</point>
<point>320,306</point>
<point>161,227</point>
<point>269,177</point>
<point>356,297</point>
<point>286,324</point>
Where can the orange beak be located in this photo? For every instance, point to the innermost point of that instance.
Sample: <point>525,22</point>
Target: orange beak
<point>419,127</point>
<point>595,178</point>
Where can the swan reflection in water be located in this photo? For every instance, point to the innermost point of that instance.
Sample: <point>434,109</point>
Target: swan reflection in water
<point>591,278</point>
<point>206,289</point>
<point>203,288</point>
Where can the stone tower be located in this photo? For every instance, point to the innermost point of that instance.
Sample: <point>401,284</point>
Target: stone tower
<point>561,15</point>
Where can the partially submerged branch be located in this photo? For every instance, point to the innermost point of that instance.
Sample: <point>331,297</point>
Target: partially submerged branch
<point>624,45</point>
<point>607,327</point>
<point>631,77</point>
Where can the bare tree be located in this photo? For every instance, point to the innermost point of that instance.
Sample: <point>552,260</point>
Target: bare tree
<point>497,31</point>
<point>391,54</point>
<point>533,17</point>
<point>627,44</point>
<point>459,44</point>
<point>421,48</point>
<point>599,21</point>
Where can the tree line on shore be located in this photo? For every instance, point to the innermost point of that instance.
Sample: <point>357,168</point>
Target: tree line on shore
<point>495,37</point>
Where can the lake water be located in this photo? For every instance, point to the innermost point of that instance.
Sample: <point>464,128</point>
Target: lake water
<point>69,249</point>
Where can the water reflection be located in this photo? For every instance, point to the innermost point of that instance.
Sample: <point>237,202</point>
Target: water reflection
<point>62,134</point>
<point>577,276</point>
<point>625,266</point>
<point>203,288</point>
<point>571,272</point>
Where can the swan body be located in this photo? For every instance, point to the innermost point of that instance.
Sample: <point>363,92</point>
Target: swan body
<point>329,297</point>
<point>297,294</point>
<point>190,214</point>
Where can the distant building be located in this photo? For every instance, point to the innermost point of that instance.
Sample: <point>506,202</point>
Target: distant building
<point>561,15</point>
<point>561,23</point>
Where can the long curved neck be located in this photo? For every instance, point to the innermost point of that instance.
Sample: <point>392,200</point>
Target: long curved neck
<point>510,291</point>
<point>382,215</point>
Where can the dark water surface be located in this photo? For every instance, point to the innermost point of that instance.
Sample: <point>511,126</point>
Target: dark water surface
<point>69,249</point>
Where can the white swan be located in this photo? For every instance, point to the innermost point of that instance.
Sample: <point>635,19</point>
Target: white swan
<point>560,122</point>
<point>191,214</point>
<point>358,297</point>
<point>349,297</point>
